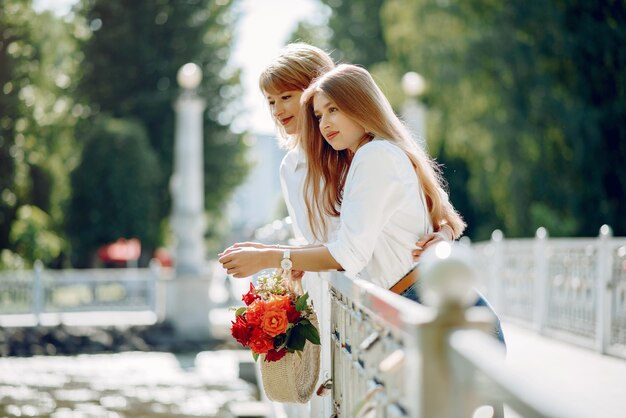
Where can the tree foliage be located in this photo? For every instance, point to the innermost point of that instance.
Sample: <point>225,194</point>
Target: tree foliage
<point>37,116</point>
<point>531,95</point>
<point>13,31</point>
<point>131,60</point>
<point>33,237</point>
<point>114,189</point>
<point>357,33</point>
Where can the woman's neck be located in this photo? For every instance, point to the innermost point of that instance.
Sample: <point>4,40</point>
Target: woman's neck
<point>366,139</point>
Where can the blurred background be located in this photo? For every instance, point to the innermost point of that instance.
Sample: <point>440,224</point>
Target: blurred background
<point>525,107</point>
<point>523,103</point>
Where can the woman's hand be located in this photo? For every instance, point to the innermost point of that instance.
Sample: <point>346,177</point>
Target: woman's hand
<point>246,244</point>
<point>430,239</point>
<point>296,274</point>
<point>243,261</point>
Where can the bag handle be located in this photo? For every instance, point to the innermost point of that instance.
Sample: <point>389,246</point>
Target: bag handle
<point>294,285</point>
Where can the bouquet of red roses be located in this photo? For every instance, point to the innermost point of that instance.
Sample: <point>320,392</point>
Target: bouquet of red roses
<point>275,320</point>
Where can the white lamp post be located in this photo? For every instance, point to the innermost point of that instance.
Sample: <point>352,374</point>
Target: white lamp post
<point>188,300</point>
<point>187,183</point>
<point>414,111</point>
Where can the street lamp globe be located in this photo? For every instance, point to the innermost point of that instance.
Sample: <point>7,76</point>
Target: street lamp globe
<point>189,76</point>
<point>413,84</point>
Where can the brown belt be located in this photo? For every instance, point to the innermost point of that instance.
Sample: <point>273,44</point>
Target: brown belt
<point>405,282</point>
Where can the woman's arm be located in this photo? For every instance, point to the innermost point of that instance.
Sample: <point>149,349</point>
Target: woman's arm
<point>259,245</point>
<point>244,261</point>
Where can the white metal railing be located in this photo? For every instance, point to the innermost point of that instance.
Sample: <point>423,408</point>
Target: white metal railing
<point>391,357</point>
<point>39,292</point>
<point>573,289</point>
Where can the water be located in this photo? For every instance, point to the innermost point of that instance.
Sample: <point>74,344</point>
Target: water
<point>132,384</point>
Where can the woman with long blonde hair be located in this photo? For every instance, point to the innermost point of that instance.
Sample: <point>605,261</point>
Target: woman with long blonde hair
<point>354,91</point>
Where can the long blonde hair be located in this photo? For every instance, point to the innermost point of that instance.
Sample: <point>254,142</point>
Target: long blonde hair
<point>294,69</point>
<point>357,95</point>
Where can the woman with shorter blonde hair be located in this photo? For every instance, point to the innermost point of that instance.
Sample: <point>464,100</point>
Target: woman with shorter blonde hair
<point>282,83</point>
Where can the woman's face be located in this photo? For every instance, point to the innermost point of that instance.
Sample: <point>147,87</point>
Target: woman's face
<point>339,130</point>
<point>285,106</point>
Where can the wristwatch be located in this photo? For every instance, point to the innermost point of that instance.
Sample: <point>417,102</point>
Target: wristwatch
<point>286,263</point>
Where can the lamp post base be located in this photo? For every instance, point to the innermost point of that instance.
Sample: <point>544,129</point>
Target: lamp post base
<point>188,305</point>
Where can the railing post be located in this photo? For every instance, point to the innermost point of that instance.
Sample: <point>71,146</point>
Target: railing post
<point>604,284</point>
<point>153,294</point>
<point>496,269</point>
<point>38,291</point>
<point>448,284</point>
<point>541,280</point>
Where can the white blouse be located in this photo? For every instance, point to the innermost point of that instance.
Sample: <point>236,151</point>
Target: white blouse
<point>383,214</point>
<point>292,175</point>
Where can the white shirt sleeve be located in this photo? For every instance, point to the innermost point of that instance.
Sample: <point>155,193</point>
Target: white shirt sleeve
<point>374,191</point>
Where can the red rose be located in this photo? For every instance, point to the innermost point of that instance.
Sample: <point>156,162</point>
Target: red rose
<point>240,330</point>
<point>293,315</point>
<point>260,342</point>
<point>274,355</point>
<point>250,297</point>
<point>254,313</point>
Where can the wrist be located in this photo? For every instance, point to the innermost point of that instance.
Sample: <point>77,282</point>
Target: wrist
<point>273,256</point>
<point>446,232</point>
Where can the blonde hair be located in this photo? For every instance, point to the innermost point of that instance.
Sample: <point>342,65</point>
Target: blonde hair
<point>294,69</point>
<point>356,94</point>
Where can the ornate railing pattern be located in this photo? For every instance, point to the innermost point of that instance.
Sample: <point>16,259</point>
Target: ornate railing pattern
<point>367,350</point>
<point>573,289</point>
<point>391,357</point>
<point>617,331</point>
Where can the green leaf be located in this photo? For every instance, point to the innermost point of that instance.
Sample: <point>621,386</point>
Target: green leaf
<point>297,339</point>
<point>279,340</point>
<point>240,311</point>
<point>255,356</point>
<point>311,333</point>
<point>301,304</point>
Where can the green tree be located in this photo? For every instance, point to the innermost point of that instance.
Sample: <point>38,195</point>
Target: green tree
<point>357,32</point>
<point>131,60</point>
<point>33,237</point>
<point>37,114</point>
<point>114,190</point>
<point>13,34</point>
<point>530,95</point>
<point>312,33</point>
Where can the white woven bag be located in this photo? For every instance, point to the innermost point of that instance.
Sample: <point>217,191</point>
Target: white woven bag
<point>293,378</point>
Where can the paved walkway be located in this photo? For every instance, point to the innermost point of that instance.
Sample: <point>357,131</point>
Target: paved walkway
<point>596,384</point>
<point>131,385</point>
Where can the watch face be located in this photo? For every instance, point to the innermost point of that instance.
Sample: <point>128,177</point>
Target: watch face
<point>286,264</point>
